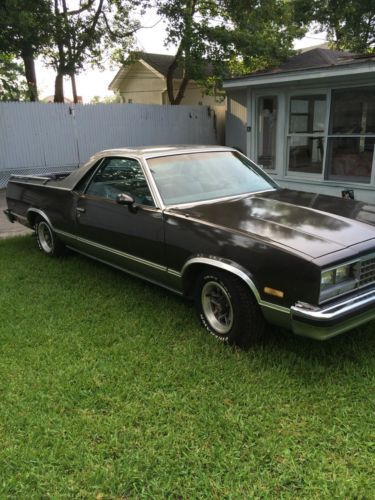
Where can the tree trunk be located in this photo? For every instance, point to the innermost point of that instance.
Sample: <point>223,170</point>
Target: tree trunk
<point>181,90</point>
<point>30,74</point>
<point>74,87</point>
<point>175,100</point>
<point>59,88</point>
<point>170,75</point>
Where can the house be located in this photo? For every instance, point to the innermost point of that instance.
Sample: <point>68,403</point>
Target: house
<point>310,122</point>
<point>144,82</point>
<point>50,99</point>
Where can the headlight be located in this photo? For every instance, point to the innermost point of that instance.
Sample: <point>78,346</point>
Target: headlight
<point>342,273</point>
<point>328,278</point>
<point>337,281</point>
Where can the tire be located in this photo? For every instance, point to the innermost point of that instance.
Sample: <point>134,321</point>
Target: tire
<point>47,240</point>
<point>227,309</point>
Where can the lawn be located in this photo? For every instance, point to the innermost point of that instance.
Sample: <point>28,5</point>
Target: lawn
<point>110,389</point>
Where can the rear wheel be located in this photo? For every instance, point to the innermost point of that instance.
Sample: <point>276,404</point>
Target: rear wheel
<point>47,240</point>
<point>227,308</point>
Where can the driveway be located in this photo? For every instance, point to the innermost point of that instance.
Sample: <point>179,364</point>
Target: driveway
<point>8,229</point>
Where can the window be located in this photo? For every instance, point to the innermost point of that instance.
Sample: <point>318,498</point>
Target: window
<point>351,136</point>
<point>267,112</point>
<point>186,178</point>
<point>81,185</point>
<point>306,134</point>
<point>120,175</point>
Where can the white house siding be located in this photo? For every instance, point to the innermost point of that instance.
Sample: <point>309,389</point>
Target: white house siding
<point>141,86</point>
<point>196,95</point>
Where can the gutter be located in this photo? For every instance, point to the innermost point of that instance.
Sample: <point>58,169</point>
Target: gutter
<point>300,75</point>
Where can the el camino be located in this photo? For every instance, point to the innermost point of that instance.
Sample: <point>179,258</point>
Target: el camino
<point>207,223</point>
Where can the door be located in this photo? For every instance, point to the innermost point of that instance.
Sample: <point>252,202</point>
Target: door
<point>267,119</point>
<point>130,237</point>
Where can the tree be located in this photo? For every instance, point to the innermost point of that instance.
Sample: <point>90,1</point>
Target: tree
<point>82,35</point>
<point>111,99</point>
<point>12,85</point>
<point>350,24</point>
<point>24,32</point>
<point>226,34</point>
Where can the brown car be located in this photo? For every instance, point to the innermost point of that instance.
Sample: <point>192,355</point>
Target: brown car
<point>207,223</point>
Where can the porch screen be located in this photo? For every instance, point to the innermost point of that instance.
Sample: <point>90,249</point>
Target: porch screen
<point>351,138</point>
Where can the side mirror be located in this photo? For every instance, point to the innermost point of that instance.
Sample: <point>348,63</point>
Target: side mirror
<point>126,199</point>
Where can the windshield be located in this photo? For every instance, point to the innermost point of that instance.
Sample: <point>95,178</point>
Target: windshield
<point>193,177</point>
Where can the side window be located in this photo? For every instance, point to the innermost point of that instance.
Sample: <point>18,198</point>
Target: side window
<point>120,175</point>
<point>81,185</point>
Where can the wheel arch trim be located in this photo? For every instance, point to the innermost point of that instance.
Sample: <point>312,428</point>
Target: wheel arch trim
<point>225,266</point>
<point>39,212</point>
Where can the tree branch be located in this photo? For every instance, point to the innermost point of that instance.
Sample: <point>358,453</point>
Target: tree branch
<point>84,7</point>
<point>91,29</point>
<point>117,35</point>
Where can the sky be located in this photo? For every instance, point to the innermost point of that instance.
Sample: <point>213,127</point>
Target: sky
<point>94,82</point>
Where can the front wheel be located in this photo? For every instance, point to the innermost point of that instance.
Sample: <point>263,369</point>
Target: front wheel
<point>47,240</point>
<point>227,309</point>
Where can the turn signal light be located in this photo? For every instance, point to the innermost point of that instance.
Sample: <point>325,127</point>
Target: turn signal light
<point>274,292</point>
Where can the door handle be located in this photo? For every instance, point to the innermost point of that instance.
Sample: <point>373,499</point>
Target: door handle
<point>80,209</point>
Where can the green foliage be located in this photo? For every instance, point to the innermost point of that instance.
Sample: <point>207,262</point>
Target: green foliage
<point>111,390</point>
<point>69,34</point>
<point>12,84</point>
<point>25,29</point>
<point>229,34</point>
<point>84,35</point>
<point>350,24</point>
<point>23,24</point>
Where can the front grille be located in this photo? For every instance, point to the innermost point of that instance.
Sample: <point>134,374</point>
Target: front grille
<point>367,271</point>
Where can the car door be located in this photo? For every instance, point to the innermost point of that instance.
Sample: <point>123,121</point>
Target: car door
<point>128,236</point>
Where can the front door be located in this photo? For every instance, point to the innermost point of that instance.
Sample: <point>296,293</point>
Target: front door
<point>267,119</point>
<point>130,237</point>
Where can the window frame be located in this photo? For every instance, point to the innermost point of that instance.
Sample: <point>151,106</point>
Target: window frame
<point>265,95</point>
<point>323,135</point>
<point>330,135</point>
<point>99,164</point>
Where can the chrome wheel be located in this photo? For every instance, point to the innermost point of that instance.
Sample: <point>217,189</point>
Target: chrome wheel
<point>45,237</point>
<point>217,307</point>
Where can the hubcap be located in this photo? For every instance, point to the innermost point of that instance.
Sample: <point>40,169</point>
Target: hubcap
<point>45,237</point>
<point>217,307</point>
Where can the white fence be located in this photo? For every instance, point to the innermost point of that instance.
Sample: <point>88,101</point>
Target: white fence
<point>37,137</point>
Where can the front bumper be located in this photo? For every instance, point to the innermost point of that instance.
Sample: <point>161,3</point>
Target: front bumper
<point>335,318</point>
<point>9,215</point>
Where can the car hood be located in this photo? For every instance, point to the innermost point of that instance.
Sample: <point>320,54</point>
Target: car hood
<point>307,223</point>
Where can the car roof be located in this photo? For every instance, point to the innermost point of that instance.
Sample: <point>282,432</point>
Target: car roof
<point>150,151</point>
<point>138,152</point>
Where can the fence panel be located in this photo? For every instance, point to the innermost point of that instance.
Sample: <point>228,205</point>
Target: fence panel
<point>38,137</point>
<point>104,126</point>
<point>35,137</point>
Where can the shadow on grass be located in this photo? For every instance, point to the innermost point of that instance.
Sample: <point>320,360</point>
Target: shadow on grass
<point>351,347</point>
<point>279,348</point>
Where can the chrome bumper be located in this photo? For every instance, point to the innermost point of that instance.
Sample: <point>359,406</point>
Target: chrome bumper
<point>9,215</point>
<point>333,319</point>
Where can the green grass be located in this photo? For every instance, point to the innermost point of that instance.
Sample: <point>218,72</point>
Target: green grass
<point>109,388</point>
